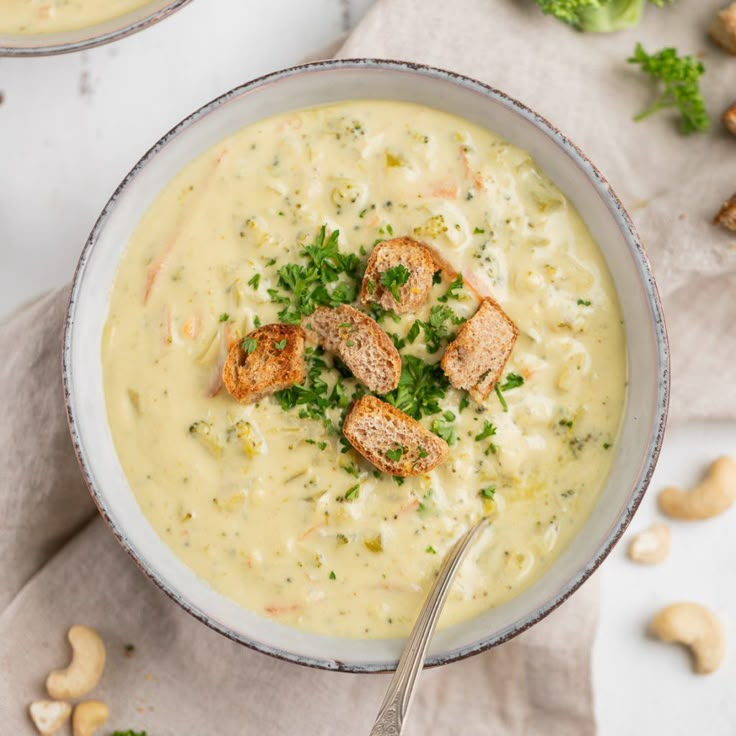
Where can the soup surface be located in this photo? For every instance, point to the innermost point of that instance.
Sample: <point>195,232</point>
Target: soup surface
<point>56,16</point>
<point>265,502</point>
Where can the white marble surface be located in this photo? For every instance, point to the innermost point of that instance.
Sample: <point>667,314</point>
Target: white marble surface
<point>71,127</point>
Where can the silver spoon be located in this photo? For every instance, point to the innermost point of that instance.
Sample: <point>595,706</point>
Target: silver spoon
<point>395,706</point>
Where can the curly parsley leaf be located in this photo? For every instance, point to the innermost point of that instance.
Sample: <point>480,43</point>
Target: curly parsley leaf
<point>679,86</point>
<point>421,386</point>
<point>327,277</point>
<point>394,278</point>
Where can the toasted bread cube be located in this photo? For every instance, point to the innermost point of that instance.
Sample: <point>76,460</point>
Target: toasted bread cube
<point>729,119</point>
<point>727,214</point>
<point>475,359</point>
<point>267,360</point>
<point>723,29</point>
<point>416,258</point>
<point>391,440</point>
<point>359,342</point>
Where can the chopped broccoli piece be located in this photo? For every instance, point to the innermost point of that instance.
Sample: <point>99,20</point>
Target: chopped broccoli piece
<point>598,16</point>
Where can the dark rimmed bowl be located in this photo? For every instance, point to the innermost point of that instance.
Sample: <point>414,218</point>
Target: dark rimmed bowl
<point>642,428</point>
<point>49,44</point>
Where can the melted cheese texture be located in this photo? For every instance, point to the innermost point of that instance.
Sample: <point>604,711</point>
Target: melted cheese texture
<point>267,506</point>
<point>57,16</point>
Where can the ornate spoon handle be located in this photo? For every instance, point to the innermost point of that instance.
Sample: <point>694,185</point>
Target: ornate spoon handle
<point>391,716</point>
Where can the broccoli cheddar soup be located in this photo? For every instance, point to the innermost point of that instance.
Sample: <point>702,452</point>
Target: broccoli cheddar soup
<point>480,362</point>
<point>56,16</point>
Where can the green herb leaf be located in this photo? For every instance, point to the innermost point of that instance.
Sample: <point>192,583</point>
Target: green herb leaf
<point>421,386</point>
<point>453,289</point>
<point>489,492</point>
<point>489,430</point>
<point>224,317</point>
<point>332,575</point>
<point>443,428</point>
<point>679,86</point>
<point>249,345</point>
<point>352,493</point>
<point>431,550</point>
<point>280,345</point>
<point>395,454</point>
<point>394,278</point>
<point>513,380</point>
<point>254,281</point>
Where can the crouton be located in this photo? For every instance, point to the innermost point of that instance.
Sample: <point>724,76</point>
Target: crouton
<point>727,214</point>
<point>729,119</point>
<point>475,359</point>
<point>723,28</point>
<point>359,342</point>
<point>267,360</point>
<point>391,440</point>
<point>420,267</point>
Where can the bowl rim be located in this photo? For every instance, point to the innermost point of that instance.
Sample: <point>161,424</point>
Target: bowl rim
<point>79,38</point>
<point>656,317</point>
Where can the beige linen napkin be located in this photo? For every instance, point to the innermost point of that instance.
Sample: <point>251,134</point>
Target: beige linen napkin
<point>61,565</point>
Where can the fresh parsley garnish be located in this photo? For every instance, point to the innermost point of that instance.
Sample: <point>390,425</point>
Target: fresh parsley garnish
<point>584,302</point>
<point>395,277</point>
<point>679,86</point>
<point>224,317</point>
<point>489,430</point>
<point>421,386</point>
<point>280,345</point>
<point>513,380</point>
<point>489,492</point>
<point>352,493</point>
<point>332,575</point>
<point>452,290</point>
<point>431,550</point>
<point>249,345</point>
<point>314,396</point>
<point>445,429</point>
<point>327,277</point>
<point>254,281</point>
<point>395,454</point>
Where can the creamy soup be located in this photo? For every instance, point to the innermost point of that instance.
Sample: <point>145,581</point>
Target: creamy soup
<point>264,501</point>
<point>56,16</point>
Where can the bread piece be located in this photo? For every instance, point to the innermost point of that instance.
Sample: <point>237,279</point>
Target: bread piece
<point>391,440</point>
<point>475,359</point>
<point>723,29</point>
<point>359,342</point>
<point>275,363</point>
<point>416,258</point>
<point>729,119</point>
<point>727,214</point>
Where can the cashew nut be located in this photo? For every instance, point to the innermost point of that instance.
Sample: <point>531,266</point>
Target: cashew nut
<point>716,492</point>
<point>697,628</point>
<point>49,716</point>
<point>85,670</point>
<point>88,717</point>
<point>652,545</point>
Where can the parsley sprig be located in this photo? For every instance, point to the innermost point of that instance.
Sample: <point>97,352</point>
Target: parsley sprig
<point>513,380</point>
<point>679,86</point>
<point>394,278</point>
<point>326,278</point>
<point>421,386</point>
<point>314,396</point>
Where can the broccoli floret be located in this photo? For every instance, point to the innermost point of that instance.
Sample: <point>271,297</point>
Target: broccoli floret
<point>204,432</point>
<point>598,16</point>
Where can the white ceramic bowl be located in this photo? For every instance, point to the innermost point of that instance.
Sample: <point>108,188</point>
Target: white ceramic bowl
<point>48,44</point>
<point>316,84</point>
